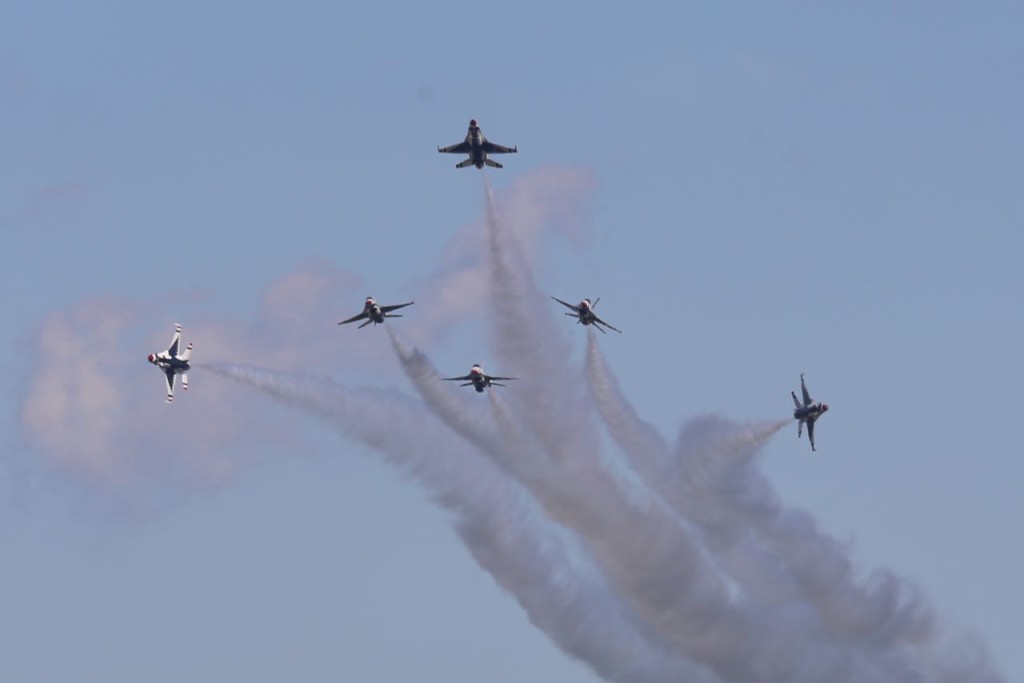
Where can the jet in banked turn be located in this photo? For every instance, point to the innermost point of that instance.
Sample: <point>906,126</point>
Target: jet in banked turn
<point>375,313</point>
<point>808,412</point>
<point>584,313</point>
<point>172,363</point>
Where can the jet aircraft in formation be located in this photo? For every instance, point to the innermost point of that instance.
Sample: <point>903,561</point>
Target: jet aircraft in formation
<point>172,363</point>
<point>375,313</point>
<point>478,379</point>
<point>584,313</point>
<point>807,412</point>
<point>477,147</point>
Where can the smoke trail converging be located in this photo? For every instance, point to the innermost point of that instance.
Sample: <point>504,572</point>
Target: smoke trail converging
<point>675,562</point>
<point>535,560</point>
<point>711,479</point>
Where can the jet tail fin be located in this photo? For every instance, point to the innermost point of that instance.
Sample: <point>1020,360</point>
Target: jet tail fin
<point>392,315</point>
<point>365,324</point>
<point>188,352</point>
<point>492,163</point>
<point>465,163</point>
<point>796,401</point>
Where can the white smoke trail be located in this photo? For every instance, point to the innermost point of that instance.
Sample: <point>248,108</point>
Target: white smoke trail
<point>745,639</point>
<point>539,563</point>
<point>778,556</point>
<point>703,576</point>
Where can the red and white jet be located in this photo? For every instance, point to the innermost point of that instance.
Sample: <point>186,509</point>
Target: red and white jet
<point>477,147</point>
<point>375,313</point>
<point>173,363</point>
<point>478,379</point>
<point>584,313</point>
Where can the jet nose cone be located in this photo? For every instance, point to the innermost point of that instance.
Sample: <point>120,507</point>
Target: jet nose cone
<point>472,123</point>
<point>151,357</point>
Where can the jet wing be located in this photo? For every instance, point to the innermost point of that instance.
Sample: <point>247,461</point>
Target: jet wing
<point>172,350</point>
<point>395,307</point>
<point>810,433</point>
<point>494,148</point>
<point>566,304</point>
<point>458,148</point>
<point>610,327</point>
<point>354,318</point>
<point>458,379</point>
<point>170,376</point>
<point>492,378</point>
<point>807,395</point>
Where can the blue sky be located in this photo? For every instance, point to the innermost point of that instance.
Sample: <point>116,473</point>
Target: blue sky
<point>753,192</point>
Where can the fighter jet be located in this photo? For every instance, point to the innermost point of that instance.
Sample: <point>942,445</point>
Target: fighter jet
<point>584,313</point>
<point>477,147</point>
<point>173,364</point>
<point>375,313</point>
<point>807,412</point>
<point>478,379</point>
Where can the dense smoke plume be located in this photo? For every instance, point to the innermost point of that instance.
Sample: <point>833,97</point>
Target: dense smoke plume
<point>652,561</point>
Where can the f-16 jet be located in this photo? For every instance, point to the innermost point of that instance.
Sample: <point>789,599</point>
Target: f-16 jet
<point>584,313</point>
<point>375,313</point>
<point>807,412</point>
<point>173,364</point>
<point>477,147</point>
<point>478,379</point>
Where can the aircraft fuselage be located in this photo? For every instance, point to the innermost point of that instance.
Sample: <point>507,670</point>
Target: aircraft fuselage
<point>480,382</point>
<point>168,363</point>
<point>374,313</point>
<point>476,146</point>
<point>808,413</point>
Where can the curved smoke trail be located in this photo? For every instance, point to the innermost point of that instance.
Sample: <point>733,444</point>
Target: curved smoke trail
<point>672,579</point>
<point>689,570</point>
<point>535,560</point>
<point>712,480</point>
<point>777,555</point>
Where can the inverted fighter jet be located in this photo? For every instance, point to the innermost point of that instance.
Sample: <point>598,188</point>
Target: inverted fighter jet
<point>477,147</point>
<point>584,313</point>
<point>807,412</point>
<point>375,313</point>
<point>478,379</point>
<point>172,363</point>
